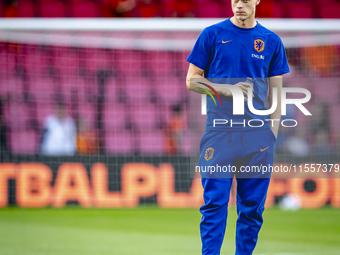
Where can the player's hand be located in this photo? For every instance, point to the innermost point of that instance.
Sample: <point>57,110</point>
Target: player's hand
<point>244,88</point>
<point>224,92</point>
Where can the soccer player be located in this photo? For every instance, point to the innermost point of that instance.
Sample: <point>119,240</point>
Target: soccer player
<point>231,52</point>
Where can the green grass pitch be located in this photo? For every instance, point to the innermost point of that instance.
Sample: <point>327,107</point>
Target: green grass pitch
<point>155,231</point>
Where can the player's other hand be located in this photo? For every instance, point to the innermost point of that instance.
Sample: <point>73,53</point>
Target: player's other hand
<point>244,88</point>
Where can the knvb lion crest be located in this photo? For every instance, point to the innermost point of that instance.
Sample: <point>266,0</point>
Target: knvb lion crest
<point>259,45</point>
<point>209,153</point>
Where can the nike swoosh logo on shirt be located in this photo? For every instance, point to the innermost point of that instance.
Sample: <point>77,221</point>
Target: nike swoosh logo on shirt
<point>226,41</point>
<point>264,149</point>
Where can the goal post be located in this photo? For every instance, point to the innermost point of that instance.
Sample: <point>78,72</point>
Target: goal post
<point>161,24</point>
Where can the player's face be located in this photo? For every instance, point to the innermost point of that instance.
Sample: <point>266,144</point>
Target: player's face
<point>244,9</point>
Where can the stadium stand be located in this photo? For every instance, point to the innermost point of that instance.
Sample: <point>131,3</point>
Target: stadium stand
<point>127,124</point>
<point>164,8</point>
<point>121,93</point>
<point>52,9</point>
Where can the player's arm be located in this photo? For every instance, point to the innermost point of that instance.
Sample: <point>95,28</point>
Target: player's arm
<point>195,75</point>
<point>275,82</point>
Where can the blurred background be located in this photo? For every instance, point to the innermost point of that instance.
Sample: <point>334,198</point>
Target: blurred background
<point>94,112</point>
<point>100,83</point>
<point>163,8</point>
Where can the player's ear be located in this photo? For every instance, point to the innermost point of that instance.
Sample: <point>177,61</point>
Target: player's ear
<point>257,2</point>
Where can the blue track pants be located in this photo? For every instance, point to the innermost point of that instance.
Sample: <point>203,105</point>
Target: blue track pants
<point>241,150</point>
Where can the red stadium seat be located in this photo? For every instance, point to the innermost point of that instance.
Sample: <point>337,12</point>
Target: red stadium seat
<point>181,8</point>
<point>270,9</point>
<point>209,10</point>
<point>111,93</point>
<point>225,8</point>
<point>11,86</point>
<point>88,113</point>
<point>114,117</point>
<point>204,1</point>
<point>170,90</point>
<point>17,116</point>
<point>149,10</point>
<point>66,62</point>
<point>161,63</point>
<point>73,88</point>
<point>152,143</point>
<point>98,59</point>
<point>277,10</point>
<point>7,63</point>
<point>179,59</point>
<point>299,9</point>
<point>52,9</point>
<point>145,116</point>
<point>137,90</point>
<point>42,89</point>
<point>35,63</point>
<point>85,9</point>
<point>26,9</point>
<point>23,142</point>
<point>118,143</point>
<point>129,62</point>
<point>330,11</point>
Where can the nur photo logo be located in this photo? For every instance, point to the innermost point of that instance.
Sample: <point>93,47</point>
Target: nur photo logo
<point>238,101</point>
